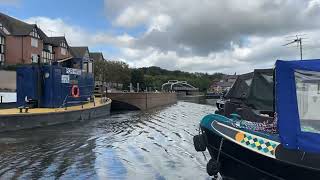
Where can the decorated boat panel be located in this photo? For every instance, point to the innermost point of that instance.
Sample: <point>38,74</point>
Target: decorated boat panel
<point>250,141</point>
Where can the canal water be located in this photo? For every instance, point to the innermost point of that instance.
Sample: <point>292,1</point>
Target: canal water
<point>155,144</point>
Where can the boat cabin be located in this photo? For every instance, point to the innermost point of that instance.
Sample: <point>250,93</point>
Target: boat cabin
<point>297,99</point>
<point>67,82</point>
<point>283,101</point>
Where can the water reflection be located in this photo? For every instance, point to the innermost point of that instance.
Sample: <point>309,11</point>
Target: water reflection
<point>155,144</point>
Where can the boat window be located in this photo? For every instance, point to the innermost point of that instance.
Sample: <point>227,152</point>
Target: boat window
<point>308,98</point>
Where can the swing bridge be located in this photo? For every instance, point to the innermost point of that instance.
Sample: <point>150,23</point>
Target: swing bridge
<point>175,85</point>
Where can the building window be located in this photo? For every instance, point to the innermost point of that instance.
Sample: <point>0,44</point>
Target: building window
<point>1,58</point>
<point>1,49</point>
<point>85,67</point>
<point>63,51</point>
<point>49,48</point>
<point>1,40</point>
<point>34,58</point>
<point>63,44</point>
<point>2,44</point>
<point>34,42</point>
<point>90,67</point>
<point>47,57</point>
<point>34,33</point>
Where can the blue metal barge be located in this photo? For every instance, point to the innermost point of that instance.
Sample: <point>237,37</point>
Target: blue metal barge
<point>52,94</point>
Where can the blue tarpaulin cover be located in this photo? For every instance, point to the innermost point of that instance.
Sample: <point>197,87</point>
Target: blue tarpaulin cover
<point>289,126</point>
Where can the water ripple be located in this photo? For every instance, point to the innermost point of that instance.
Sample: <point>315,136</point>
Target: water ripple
<point>155,144</point>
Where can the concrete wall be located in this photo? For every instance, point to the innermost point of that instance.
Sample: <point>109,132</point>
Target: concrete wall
<point>143,100</point>
<point>8,80</point>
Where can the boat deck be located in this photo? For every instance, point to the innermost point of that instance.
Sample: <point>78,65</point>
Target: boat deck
<point>89,105</point>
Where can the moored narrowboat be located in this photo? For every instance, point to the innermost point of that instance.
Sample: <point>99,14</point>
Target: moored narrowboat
<point>273,130</point>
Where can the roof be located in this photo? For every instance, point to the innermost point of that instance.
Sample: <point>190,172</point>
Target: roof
<point>222,84</point>
<point>79,52</point>
<point>20,28</point>
<point>226,77</point>
<point>57,40</point>
<point>96,56</point>
<point>15,26</point>
<point>65,59</point>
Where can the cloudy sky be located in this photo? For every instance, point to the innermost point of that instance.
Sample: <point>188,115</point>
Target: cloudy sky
<point>190,35</point>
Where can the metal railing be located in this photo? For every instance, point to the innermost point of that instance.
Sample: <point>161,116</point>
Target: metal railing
<point>66,102</point>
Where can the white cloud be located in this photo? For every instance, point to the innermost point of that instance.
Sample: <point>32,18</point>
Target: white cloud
<point>132,17</point>
<point>221,35</point>
<point>78,36</point>
<point>206,36</point>
<point>160,23</point>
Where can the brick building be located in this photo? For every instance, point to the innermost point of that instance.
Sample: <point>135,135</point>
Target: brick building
<point>2,46</point>
<point>96,56</point>
<point>23,43</point>
<point>60,47</point>
<point>224,84</point>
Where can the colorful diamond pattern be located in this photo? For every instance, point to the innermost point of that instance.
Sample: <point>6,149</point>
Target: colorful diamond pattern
<point>259,144</point>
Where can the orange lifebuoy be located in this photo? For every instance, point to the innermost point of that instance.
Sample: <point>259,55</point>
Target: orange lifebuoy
<point>75,91</point>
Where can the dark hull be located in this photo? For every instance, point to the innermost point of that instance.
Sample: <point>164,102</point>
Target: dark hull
<point>241,163</point>
<point>28,121</point>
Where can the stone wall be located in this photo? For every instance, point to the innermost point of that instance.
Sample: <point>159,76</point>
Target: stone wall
<point>143,100</point>
<point>8,80</point>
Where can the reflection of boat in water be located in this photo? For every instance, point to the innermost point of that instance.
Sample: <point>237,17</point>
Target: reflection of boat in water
<point>273,129</point>
<point>51,94</point>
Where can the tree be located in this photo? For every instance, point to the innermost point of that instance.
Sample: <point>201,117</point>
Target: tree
<point>112,71</point>
<point>137,76</point>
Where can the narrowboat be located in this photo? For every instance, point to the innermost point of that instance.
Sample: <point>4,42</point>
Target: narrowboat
<point>271,126</point>
<point>50,94</point>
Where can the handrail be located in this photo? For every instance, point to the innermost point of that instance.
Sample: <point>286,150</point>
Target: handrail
<point>69,102</point>
<point>64,101</point>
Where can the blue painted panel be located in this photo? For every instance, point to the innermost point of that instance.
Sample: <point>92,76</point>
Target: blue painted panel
<point>26,84</point>
<point>54,91</point>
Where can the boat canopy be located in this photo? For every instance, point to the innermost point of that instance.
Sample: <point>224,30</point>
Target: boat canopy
<point>261,93</point>
<point>297,91</point>
<point>240,87</point>
<point>255,89</point>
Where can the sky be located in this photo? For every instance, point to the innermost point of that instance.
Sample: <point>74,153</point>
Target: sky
<point>210,36</point>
